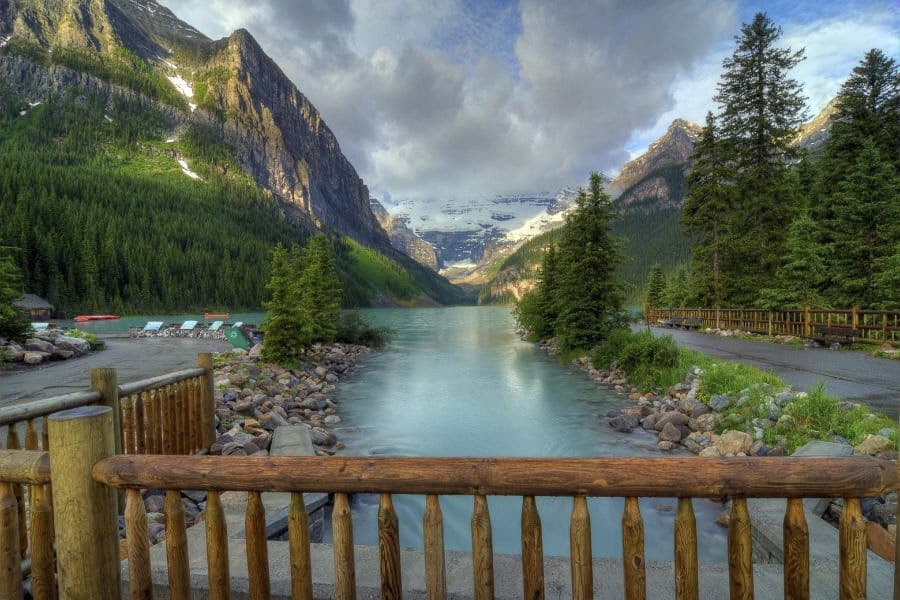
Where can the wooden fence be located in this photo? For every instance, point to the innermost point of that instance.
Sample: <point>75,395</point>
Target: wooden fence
<point>580,478</point>
<point>872,326</point>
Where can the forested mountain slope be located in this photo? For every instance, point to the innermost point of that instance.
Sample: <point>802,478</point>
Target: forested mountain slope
<point>146,167</point>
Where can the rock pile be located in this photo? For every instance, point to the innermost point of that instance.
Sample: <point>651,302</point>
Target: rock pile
<point>43,347</point>
<point>254,398</point>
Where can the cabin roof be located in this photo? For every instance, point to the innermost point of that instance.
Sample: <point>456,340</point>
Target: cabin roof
<point>32,302</point>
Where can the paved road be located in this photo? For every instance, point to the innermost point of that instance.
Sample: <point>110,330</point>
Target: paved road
<point>134,358</point>
<point>853,375</point>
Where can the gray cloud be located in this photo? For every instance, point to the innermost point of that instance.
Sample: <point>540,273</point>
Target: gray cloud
<point>423,116</point>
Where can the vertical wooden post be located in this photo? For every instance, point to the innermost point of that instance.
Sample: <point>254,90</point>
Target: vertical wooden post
<point>796,552</point>
<point>139,579</point>
<point>10,551</point>
<point>718,317</point>
<point>740,551</point>
<point>884,321</point>
<point>217,548</point>
<point>257,548</point>
<point>532,550</point>
<point>105,382</point>
<point>43,573</point>
<point>176,547</point>
<point>342,545</point>
<point>482,550</point>
<point>770,330</point>
<point>807,328</point>
<point>852,534</point>
<point>686,573</point>
<point>84,511</point>
<point>12,443</point>
<point>298,544</point>
<point>208,398</point>
<point>581,555</point>
<point>633,551</point>
<point>389,549</point>
<point>855,317</point>
<point>433,532</point>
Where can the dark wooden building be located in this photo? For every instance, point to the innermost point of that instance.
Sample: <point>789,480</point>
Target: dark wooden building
<point>36,307</point>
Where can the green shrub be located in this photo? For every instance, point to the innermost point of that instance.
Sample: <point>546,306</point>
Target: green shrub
<point>353,329</point>
<point>529,316</point>
<point>722,377</point>
<point>649,362</point>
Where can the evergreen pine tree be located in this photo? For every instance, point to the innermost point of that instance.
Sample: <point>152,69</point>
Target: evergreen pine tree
<point>708,211</point>
<point>865,229</point>
<point>589,297</point>
<point>799,279</point>
<point>656,286</point>
<point>887,279</point>
<point>13,322</point>
<point>320,289</point>
<point>761,110</point>
<point>678,288</point>
<point>286,327</point>
<point>547,293</point>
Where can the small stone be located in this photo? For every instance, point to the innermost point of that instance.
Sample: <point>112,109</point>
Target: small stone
<point>723,519</point>
<point>155,504</point>
<point>34,357</point>
<point>670,433</point>
<point>699,410</point>
<point>195,495</point>
<point>733,442</point>
<point>673,417</point>
<point>710,451</point>
<point>331,420</point>
<point>872,445</point>
<point>707,422</point>
<point>719,402</point>
<point>623,422</point>
<point>666,446</point>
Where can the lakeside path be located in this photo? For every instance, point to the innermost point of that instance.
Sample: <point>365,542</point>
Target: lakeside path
<point>849,374</point>
<point>134,358</point>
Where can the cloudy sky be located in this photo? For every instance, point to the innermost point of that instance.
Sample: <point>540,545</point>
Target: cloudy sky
<point>442,99</point>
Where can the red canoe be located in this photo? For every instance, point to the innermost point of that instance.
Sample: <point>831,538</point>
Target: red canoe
<point>83,318</point>
<point>215,316</point>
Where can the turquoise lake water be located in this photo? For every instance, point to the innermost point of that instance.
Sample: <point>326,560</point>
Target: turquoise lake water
<point>459,382</point>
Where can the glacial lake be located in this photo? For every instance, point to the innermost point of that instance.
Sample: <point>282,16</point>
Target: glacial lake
<point>459,382</point>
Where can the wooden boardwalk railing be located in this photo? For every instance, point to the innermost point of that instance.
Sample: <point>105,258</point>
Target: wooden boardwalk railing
<point>26,544</point>
<point>873,326</point>
<point>580,478</point>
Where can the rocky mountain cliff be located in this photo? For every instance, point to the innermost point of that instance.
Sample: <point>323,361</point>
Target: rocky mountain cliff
<point>655,179</point>
<point>229,86</point>
<point>403,238</point>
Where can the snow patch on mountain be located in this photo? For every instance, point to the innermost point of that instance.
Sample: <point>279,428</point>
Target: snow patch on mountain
<point>187,170</point>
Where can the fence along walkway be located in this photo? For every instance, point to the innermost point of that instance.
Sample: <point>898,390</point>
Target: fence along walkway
<point>739,478</point>
<point>875,326</point>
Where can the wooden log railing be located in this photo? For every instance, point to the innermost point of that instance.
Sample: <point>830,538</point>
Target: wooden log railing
<point>870,326</point>
<point>26,544</point>
<point>579,478</point>
<point>168,414</point>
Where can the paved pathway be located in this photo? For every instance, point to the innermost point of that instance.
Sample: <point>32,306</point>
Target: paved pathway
<point>849,374</point>
<point>134,358</point>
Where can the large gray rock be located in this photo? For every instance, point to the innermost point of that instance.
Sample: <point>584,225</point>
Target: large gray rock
<point>819,448</point>
<point>624,422</point>
<point>35,358</point>
<point>36,345</point>
<point>13,353</point>
<point>719,402</point>
<point>73,344</point>
<point>670,433</point>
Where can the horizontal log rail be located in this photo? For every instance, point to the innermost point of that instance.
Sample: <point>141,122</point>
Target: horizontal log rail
<point>660,477</point>
<point>144,385</point>
<point>871,326</point>
<point>34,409</point>
<point>579,478</point>
<point>24,466</point>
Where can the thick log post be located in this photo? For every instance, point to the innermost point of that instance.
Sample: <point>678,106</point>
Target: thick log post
<point>633,551</point>
<point>686,575</point>
<point>10,551</point>
<point>532,550</point>
<point>257,547</point>
<point>853,551</point>
<point>796,552</point>
<point>139,579</point>
<point>581,555</point>
<point>13,443</point>
<point>87,547</point>
<point>176,548</point>
<point>298,543</point>
<point>740,551</point>
<point>105,382</point>
<point>342,540</point>
<point>389,549</point>
<point>217,548</point>
<point>208,398</point>
<point>433,532</point>
<point>482,550</point>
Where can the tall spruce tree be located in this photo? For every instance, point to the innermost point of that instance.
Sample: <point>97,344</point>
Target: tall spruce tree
<point>320,289</point>
<point>656,286</point>
<point>548,292</point>
<point>864,230</point>
<point>708,211</point>
<point>13,322</point>
<point>287,327</point>
<point>761,110</point>
<point>798,281</point>
<point>589,296</point>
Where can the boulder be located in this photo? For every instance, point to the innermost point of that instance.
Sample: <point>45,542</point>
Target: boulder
<point>35,358</point>
<point>670,433</point>
<point>37,345</point>
<point>733,442</point>
<point>13,352</point>
<point>719,402</point>
<point>872,445</point>
<point>699,410</point>
<point>624,422</point>
<point>76,345</point>
<point>322,437</point>
<point>649,422</point>
<point>673,417</point>
<point>666,446</point>
<point>331,420</point>
<point>710,451</point>
<point>820,448</point>
<point>60,354</point>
